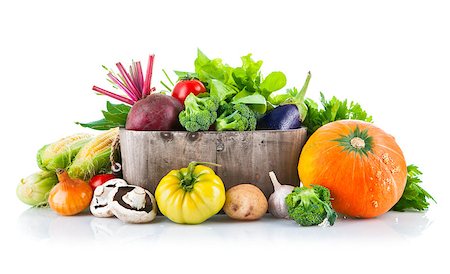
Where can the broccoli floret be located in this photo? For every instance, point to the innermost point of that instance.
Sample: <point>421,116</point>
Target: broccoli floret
<point>310,206</point>
<point>199,112</point>
<point>225,107</point>
<point>237,117</point>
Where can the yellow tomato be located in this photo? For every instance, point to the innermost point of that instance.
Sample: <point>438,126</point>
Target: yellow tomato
<point>190,195</point>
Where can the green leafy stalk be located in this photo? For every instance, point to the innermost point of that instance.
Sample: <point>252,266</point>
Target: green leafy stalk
<point>332,110</point>
<point>414,197</point>
<point>169,89</point>
<point>114,116</point>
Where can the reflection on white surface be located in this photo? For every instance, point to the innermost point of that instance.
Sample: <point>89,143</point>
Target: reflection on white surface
<point>43,224</point>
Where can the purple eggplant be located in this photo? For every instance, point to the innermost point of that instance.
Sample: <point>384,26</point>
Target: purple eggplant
<point>281,118</point>
<point>289,113</point>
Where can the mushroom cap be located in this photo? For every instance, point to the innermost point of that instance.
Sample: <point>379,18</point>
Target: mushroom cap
<point>132,204</point>
<point>99,204</point>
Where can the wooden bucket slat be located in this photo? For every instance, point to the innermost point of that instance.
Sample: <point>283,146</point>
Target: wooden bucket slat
<point>245,157</point>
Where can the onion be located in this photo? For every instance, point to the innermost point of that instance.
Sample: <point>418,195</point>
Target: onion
<point>69,196</point>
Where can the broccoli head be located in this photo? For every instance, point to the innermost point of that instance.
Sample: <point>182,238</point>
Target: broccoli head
<point>310,206</point>
<point>237,117</point>
<point>199,112</point>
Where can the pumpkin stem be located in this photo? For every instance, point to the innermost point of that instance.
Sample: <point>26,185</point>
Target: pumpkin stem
<point>357,143</point>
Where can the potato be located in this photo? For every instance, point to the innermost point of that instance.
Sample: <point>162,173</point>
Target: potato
<point>245,202</point>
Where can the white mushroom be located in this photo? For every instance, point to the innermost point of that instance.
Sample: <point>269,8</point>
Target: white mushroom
<point>132,204</point>
<point>99,205</point>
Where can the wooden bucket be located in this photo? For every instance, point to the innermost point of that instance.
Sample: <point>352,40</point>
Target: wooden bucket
<point>245,157</point>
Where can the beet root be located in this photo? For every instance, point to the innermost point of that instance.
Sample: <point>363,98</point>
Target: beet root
<point>155,112</point>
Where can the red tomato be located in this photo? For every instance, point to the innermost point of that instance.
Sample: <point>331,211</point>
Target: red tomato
<point>100,179</point>
<point>184,87</point>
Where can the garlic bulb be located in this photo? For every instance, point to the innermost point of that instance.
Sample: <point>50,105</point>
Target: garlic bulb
<point>277,203</point>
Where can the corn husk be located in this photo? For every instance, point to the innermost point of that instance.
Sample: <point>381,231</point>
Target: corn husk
<point>94,156</point>
<point>34,189</point>
<point>60,154</point>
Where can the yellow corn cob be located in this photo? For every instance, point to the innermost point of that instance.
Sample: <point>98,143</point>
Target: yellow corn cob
<point>61,153</point>
<point>94,156</point>
<point>63,143</point>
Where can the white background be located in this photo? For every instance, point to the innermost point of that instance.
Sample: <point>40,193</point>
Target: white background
<point>391,56</point>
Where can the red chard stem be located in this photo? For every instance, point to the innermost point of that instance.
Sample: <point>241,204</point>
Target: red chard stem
<point>140,75</point>
<point>128,80</point>
<point>135,83</point>
<point>148,77</point>
<point>123,87</point>
<point>113,95</point>
<point>135,75</point>
<point>132,74</point>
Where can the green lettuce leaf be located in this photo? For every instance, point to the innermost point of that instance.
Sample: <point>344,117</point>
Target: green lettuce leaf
<point>207,69</point>
<point>273,82</point>
<point>246,81</point>
<point>255,101</point>
<point>221,90</point>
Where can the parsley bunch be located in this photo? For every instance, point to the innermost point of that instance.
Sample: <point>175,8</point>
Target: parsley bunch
<point>414,196</point>
<point>332,110</point>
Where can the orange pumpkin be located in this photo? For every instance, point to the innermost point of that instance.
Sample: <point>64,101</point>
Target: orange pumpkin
<point>362,165</point>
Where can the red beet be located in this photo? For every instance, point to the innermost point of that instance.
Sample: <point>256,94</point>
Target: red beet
<point>155,112</point>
